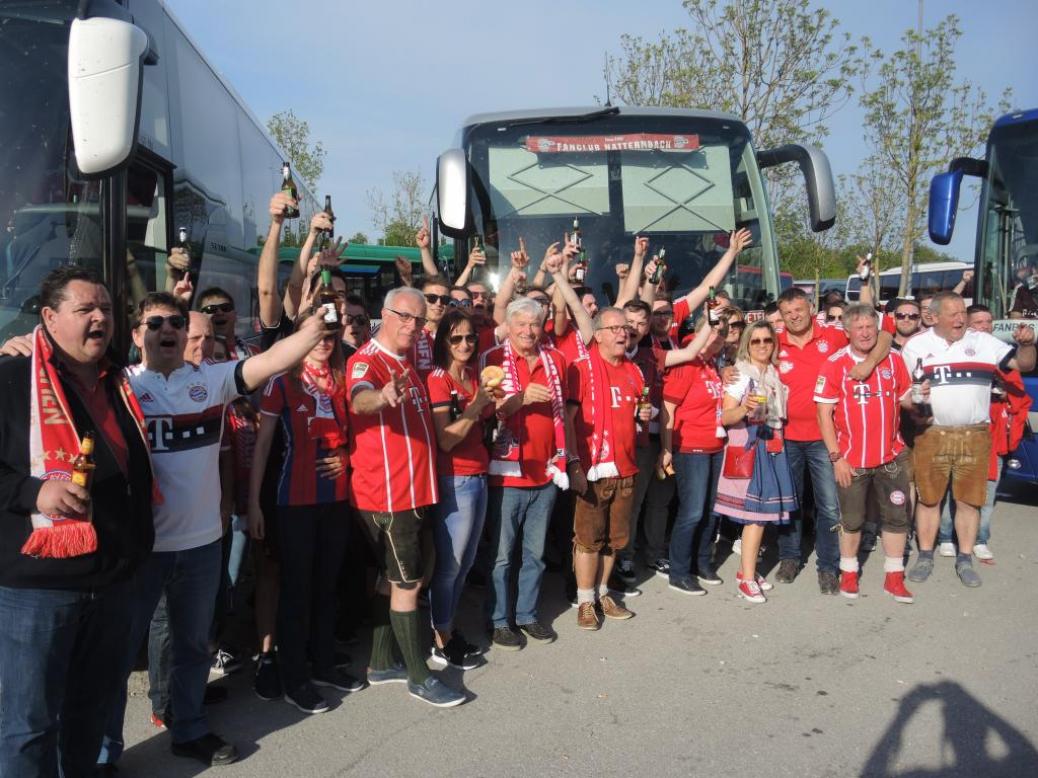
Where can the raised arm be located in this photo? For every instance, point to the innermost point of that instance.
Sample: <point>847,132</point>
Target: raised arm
<point>679,356</point>
<point>270,305</point>
<point>556,266</point>
<point>1025,357</point>
<point>303,268</point>
<point>476,257</point>
<point>423,240</point>
<point>737,241</point>
<point>630,286</point>
<point>284,354</point>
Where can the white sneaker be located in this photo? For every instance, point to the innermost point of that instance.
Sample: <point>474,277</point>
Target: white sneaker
<point>946,549</point>
<point>737,547</point>
<point>981,551</point>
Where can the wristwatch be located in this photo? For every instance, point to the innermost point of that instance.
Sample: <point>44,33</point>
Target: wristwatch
<point>835,456</point>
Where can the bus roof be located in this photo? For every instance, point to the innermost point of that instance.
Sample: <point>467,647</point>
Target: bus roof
<point>1016,117</point>
<point>621,110</point>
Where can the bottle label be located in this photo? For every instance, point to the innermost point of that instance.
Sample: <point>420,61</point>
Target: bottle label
<point>80,478</point>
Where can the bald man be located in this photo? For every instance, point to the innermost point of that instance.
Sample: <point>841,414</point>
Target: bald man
<point>201,340</point>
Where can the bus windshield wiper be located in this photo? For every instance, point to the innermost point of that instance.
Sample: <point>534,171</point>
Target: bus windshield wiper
<point>611,110</point>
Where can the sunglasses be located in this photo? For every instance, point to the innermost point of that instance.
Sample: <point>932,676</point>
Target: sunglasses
<point>212,308</point>
<point>360,318</point>
<point>460,303</point>
<point>154,323</point>
<point>737,325</point>
<point>761,341</point>
<point>407,318</point>
<point>830,317</point>
<point>442,299</point>
<point>457,339</point>
<point>663,313</point>
<point>907,316</point>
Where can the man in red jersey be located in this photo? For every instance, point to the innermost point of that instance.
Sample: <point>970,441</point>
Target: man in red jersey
<point>393,483</point>
<point>860,422</point>
<point>436,291</point>
<point>604,394</point>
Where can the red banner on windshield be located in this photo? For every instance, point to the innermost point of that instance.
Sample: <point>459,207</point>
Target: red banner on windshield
<point>641,141</point>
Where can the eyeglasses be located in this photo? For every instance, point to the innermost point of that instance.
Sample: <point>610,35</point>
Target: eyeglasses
<point>407,318</point>
<point>442,299</point>
<point>456,339</point>
<point>616,329</point>
<point>460,303</point>
<point>176,321</point>
<point>908,316</point>
<point>664,313</point>
<point>360,318</point>
<point>761,341</point>
<point>212,308</point>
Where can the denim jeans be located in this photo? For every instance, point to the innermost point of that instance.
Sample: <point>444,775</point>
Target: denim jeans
<point>312,540</point>
<point>814,456</point>
<point>944,535</point>
<point>513,511</point>
<point>457,525</point>
<point>696,476</point>
<point>159,659</point>
<point>190,580</point>
<point>60,666</point>
<point>655,495</point>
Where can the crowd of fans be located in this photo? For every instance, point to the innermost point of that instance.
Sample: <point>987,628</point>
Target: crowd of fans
<point>471,437</point>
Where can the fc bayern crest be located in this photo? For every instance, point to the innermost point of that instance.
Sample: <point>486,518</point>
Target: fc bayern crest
<point>198,393</point>
<point>970,352</point>
<point>823,346</point>
<point>785,366</point>
<point>887,375</point>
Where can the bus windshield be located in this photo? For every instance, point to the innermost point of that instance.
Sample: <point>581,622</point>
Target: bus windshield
<point>684,183</point>
<point>49,219</point>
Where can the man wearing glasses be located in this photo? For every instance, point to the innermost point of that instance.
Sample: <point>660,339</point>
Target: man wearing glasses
<point>907,322</point>
<point>219,305</point>
<point>393,484</point>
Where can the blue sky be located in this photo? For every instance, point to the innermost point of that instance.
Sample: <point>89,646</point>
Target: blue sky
<point>385,85</point>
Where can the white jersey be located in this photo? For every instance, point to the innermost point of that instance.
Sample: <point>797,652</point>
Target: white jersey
<point>185,416</point>
<point>960,373</point>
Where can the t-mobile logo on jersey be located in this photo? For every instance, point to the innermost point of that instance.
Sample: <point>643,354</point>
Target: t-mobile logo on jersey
<point>617,394</point>
<point>861,393</point>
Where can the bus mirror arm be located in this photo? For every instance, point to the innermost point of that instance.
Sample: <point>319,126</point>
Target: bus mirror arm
<point>818,178</point>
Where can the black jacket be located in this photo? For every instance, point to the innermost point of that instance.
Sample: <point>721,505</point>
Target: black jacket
<point>121,504</point>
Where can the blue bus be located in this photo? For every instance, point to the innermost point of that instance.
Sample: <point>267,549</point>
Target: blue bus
<point>1006,261</point>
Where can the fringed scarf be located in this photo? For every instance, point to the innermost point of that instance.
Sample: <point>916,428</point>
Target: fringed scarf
<point>603,446</point>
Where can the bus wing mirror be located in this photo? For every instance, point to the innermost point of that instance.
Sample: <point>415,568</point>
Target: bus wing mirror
<point>944,204</point>
<point>105,60</point>
<point>818,177</point>
<point>452,192</point>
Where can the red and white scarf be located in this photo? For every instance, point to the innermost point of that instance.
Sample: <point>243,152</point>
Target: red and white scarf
<point>505,456</point>
<point>603,439</point>
<point>53,445</point>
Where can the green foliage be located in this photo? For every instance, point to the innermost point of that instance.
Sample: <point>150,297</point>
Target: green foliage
<point>293,135</point>
<point>359,239</point>
<point>399,216</point>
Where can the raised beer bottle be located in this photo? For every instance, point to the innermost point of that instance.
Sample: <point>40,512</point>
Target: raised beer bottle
<point>477,245</point>
<point>182,238</point>
<point>326,235</point>
<point>83,465</point>
<point>866,268</point>
<point>713,308</point>
<point>328,301</point>
<point>661,267</point>
<point>288,186</point>
<point>576,237</point>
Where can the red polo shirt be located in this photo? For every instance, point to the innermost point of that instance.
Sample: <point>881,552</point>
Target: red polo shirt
<point>798,368</point>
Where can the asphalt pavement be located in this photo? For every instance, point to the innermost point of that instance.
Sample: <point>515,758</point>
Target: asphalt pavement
<point>805,685</point>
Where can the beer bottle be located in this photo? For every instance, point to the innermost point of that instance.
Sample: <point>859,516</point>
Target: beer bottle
<point>326,235</point>
<point>660,269</point>
<point>328,302</point>
<point>866,268</point>
<point>288,186</point>
<point>83,464</point>
<point>713,308</point>
<point>455,406</point>
<point>477,245</point>
<point>182,238</point>
<point>918,376</point>
<point>576,237</point>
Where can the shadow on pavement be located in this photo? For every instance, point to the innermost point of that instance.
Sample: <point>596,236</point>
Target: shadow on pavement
<point>968,723</point>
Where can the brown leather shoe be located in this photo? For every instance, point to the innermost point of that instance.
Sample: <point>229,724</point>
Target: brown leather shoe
<point>611,609</point>
<point>587,617</point>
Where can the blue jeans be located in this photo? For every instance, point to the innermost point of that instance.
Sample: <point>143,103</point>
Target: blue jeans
<point>696,476</point>
<point>60,667</point>
<point>814,456</point>
<point>515,510</point>
<point>457,526</point>
<point>190,580</point>
<point>159,658</point>
<point>944,535</point>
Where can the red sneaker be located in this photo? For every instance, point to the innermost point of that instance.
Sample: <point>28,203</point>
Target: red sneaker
<point>849,584</point>
<point>156,721</point>
<point>894,585</point>
<point>762,582</point>
<point>749,590</point>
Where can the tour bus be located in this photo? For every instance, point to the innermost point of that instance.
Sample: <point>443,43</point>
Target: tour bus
<point>1007,239</point>
<point>118,133</point>
<point>682,178</point>
<point>927,279</point>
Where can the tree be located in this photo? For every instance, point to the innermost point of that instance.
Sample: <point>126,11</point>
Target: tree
<point>400,217</point>
<point>919,117</point>
<point>293,135</point>
<point>359,239</point>
<point>780,65</point>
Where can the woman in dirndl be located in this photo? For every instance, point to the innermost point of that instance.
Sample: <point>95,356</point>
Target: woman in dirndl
<point>755,488</point>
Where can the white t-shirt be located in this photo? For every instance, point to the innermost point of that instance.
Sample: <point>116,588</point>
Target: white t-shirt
<point>959,373</point>
<point>185,416</point>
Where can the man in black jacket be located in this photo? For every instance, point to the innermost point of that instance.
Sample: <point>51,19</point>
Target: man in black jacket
<point>63,613</point>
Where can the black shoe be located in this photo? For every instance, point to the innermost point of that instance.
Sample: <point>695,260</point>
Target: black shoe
<point>709,577</point>
<point>470,648</point>
<point>453,654</point>
<point>539,632</point>
<point>268,682</point>
<point>828,583</point>
<point>337,679</point>
<point>211,750</point>
<point>506,638</point>
<point>687,585</point>
<point>625,571</point>
<point>307,699</point>
<point>787,571</point>
<point>214,695</point>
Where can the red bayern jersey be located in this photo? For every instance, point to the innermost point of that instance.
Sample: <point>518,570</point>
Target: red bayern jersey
<point>313,423</point>
<point>537,436</point>
<point>571,345</point>
<point>624,389</point>
<point>696,389</point>
<point>868,413</point>
<point>240,437</point>
<point>798,368</point>
<point>421,356</point>
<point>392,451</point>
<point>470,456</point>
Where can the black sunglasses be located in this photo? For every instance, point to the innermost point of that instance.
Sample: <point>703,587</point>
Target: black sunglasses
<point>212,308</point>
<point>176,321</point>
<point>460,303</point>
<point>360,318</point>
<point>761,341</point>
<point>442,299</point>
<point>456,339</point>
<point>908,316</point>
